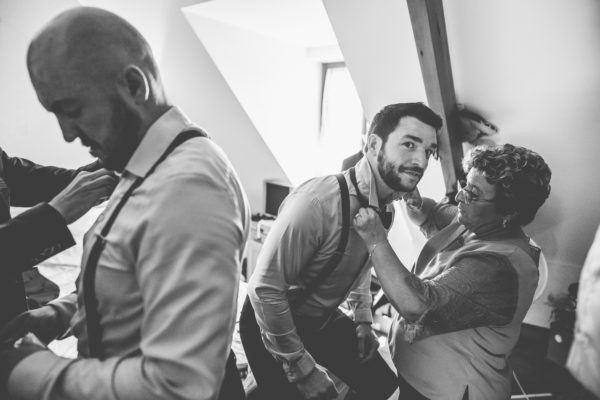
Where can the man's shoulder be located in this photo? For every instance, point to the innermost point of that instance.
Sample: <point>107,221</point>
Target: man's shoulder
<point>321,186</point>
<point>323,190</point>
<point>198,156</point>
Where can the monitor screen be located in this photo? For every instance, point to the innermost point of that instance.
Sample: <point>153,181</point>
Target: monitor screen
<point>275,193</point>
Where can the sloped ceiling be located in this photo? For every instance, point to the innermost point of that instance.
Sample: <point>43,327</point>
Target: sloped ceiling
<point>265,51</point>
<point>377,42</point>
<point>303,23</point>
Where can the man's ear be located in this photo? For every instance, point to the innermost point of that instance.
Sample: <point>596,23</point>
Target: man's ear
<point>374,144</point>
<point>133,84</point>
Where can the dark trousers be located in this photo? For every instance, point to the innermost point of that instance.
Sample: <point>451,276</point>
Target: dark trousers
<point>12,296</point>
<point>334,346</point>
<point>408,392</point>
<point>231,388</point>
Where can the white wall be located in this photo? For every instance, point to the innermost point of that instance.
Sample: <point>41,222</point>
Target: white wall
<point>277,84</point>
<point>378,45</point>
<point>26,129</point>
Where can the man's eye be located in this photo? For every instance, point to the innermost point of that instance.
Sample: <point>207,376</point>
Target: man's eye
<point>409,145</point>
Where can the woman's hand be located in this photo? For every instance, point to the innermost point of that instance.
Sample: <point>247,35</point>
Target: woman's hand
<point>368,225</point>
<point>413,199</point>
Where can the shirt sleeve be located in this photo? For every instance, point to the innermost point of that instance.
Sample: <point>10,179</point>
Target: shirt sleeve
<point>279,263</point>
<point>360,299</point>
<point>478,290</point>
<point>33,236</point>
<point>188,270</point>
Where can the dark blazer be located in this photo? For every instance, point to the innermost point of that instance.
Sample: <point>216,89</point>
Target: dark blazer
<point>34,235</point>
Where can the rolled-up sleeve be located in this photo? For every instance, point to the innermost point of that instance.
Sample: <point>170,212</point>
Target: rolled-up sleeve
<point>292,242</point>
<point>189,297</point>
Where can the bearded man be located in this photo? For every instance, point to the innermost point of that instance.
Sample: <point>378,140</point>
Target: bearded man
<point>312,261</point>
<point>155,306</point>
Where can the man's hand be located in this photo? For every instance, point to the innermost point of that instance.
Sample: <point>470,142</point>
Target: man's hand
<point>367,342</point>
<point>44,322</point>
<point>85,191</point>
<point>317,385</point>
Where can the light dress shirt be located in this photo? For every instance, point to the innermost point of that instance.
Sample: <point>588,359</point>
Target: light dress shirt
<point>584,357</point>
<point>302,240</point>
<point>166,283</point>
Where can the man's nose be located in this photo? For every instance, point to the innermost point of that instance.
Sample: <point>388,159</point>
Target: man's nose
<point>419,159</point>
<point>459,193</point>
<point>68,129</point>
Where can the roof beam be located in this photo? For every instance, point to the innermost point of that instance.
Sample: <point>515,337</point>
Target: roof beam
<point>429,29</point>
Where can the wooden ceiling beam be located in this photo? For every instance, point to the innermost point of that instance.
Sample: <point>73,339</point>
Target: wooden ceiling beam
<point>429,29</point>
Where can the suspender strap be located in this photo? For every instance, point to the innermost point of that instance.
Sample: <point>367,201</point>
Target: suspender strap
<point>361,198</point>
<point>94,329</point>
<point>339,252</point>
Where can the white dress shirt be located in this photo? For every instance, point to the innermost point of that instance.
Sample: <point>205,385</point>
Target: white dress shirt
<point>166,283</point>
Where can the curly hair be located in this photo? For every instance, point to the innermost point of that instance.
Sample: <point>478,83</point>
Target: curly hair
<point>521,178</point>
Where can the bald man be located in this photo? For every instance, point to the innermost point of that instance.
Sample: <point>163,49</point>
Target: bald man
<point>155,307</point>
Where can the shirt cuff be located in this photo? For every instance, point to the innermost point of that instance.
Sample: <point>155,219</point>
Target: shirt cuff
<point>52,237</point>
<point>300,367</point>
<point>66,307</point>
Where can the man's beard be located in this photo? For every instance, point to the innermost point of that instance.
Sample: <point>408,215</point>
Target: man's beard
<point>390,174</point>
<point>126,125</point>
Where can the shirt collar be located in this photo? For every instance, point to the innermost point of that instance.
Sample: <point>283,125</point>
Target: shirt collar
<point>366,181</point>
<point>156,140</point>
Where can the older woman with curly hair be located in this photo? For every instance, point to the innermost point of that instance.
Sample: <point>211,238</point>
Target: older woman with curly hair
<point>461,308</point>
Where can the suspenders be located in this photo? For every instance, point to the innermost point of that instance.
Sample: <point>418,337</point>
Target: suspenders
<point>339,252</point>
<point>94,329</point>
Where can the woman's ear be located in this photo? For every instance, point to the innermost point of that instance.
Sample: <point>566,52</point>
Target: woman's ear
<point>133,84</point>
<point>510,219</point>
